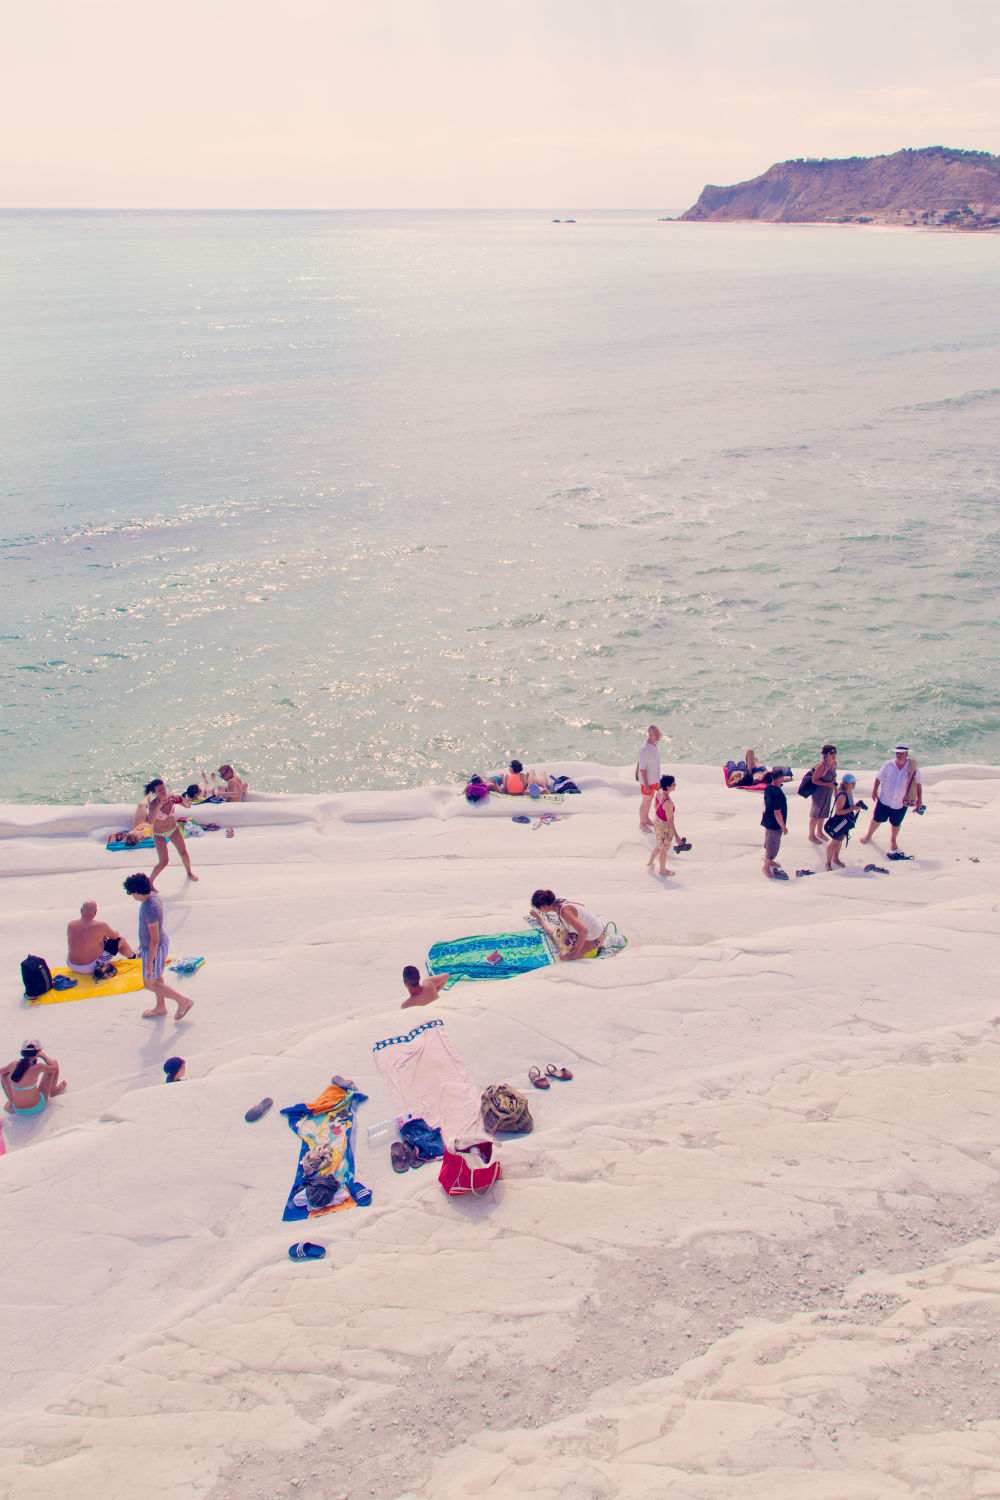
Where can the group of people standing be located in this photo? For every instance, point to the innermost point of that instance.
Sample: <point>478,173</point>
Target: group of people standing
<point>833,809</point>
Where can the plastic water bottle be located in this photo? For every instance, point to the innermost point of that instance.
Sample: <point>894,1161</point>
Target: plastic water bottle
<point>386,1130</point>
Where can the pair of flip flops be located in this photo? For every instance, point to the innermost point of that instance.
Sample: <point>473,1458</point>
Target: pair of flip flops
<point>541,1080</point>
<point>682,847</point>
<point>63,982</point>
<point>404,1156</point>
<point>258,1110</point>
<point>305,1251</point>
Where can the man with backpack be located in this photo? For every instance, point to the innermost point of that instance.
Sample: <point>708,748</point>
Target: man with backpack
<point>89,940</point>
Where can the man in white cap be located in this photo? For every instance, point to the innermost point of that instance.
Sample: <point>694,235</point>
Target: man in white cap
<point>647,774</point>
<point>897,787</point>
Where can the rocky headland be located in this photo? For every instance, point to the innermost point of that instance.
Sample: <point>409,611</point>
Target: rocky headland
<point>936,186</point>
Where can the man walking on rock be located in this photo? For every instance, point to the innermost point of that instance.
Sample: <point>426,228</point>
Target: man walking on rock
<point>647,774</point>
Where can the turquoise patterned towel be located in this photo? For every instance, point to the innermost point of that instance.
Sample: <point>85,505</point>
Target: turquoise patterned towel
<point>496,955</point>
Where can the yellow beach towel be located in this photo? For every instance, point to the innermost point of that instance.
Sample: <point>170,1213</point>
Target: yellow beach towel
<point>129,977</point>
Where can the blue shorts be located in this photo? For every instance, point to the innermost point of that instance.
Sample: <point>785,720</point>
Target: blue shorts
<point>893,815</point>
<point>154,964</point>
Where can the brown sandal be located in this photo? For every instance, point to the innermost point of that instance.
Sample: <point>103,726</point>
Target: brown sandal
<point>562,1073</point>
<point>535,1075</point>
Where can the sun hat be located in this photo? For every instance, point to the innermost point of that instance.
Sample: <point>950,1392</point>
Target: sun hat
<point>901,750</point>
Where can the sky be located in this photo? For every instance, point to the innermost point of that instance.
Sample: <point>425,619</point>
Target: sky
<point>551,104</point>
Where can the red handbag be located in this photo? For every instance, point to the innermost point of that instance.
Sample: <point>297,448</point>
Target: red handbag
<point>468,1171</point>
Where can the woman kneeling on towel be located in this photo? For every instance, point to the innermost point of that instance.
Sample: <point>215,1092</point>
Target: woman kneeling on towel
<point>576,932</point>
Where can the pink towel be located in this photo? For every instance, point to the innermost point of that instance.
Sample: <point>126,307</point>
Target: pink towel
<point>427,1079</point>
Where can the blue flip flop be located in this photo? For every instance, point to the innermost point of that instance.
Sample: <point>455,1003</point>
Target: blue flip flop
<point>305,1251</point>
<point>520,818</point>
<point>63,982</point>
<point>362,1195</point>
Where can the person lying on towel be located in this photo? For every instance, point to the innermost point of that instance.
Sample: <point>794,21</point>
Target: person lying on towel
<point>517,781</point>
<point>753,774</point>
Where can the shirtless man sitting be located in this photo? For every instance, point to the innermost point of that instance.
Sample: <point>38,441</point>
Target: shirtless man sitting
<point>421,994</point>
<point>235,789</point>
<point>85,939</point>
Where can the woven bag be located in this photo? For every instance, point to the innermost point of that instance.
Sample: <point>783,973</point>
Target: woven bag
<point>505,1111</point>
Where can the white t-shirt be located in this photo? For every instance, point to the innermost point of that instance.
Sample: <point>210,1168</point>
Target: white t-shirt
<point>593,926</point>
<point>649,764</point>
<point>893,781</point>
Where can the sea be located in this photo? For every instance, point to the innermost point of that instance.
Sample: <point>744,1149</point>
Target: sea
<point>385,499</point>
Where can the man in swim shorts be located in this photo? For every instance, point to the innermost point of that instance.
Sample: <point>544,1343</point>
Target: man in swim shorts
<point>647,774</point>
<point>897,787</point>
<point>87,940</point>
<point>421,993</point>
<point>154,947</point>
<point>235,788</point>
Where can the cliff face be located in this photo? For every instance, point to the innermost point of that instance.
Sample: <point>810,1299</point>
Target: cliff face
<point>936,185</point>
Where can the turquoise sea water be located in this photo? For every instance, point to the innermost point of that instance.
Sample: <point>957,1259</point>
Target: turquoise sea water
<point>367,500</point>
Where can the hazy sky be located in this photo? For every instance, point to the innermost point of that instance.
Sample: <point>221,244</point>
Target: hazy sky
<point>557,104</point>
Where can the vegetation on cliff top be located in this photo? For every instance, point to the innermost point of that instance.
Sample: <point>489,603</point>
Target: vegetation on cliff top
<point>941,186</point>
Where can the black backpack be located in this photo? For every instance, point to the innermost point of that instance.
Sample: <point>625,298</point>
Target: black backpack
<point>36,976</point>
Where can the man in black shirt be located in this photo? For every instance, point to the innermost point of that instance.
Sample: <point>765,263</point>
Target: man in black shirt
<point>773,824</point>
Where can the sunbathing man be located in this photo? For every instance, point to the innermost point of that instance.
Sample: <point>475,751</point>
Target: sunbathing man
<point>235,788</point>
<point>88,940</point>
<point>421,994</point>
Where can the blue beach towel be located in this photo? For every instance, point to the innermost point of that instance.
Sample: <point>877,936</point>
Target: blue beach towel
<point>496,955</point>
<point>326,1153</point>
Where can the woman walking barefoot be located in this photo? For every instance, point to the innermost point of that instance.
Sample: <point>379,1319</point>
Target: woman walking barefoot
<point>163,822</point>
<point>663,824</point>
<point>824,778</point>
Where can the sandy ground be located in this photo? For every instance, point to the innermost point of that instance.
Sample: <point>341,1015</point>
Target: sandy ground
<point>749,1251</point>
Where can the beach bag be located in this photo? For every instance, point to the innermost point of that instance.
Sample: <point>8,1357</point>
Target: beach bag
<point>840,826</point>
<point>466,1171</point>
<point>806,785</point>
<point>36,976</point>
<point>505,1111</point>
